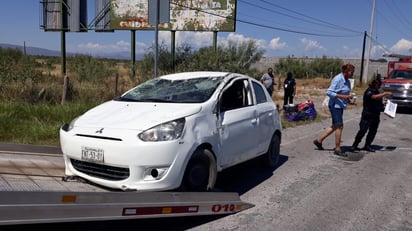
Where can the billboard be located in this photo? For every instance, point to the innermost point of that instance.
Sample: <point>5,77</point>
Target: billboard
<point>64,15</point>
<point>185,15</point>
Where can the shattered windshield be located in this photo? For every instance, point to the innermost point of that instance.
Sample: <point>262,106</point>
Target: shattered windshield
<point>191,90</point>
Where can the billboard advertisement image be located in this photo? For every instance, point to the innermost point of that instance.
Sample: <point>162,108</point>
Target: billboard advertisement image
<point>185,15</point>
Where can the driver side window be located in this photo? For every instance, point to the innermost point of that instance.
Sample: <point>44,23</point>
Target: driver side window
<point>234,97</point>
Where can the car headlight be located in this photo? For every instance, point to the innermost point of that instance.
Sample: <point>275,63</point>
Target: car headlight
<point>163,132</point>
<point>69,126</point>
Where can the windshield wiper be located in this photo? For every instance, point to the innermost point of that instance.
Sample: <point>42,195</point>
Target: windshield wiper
<point>155,100</point>
<point>126,99</point>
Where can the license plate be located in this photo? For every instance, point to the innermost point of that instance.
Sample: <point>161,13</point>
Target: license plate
<point>93,154</point>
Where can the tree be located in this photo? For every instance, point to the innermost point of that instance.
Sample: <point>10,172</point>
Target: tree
<point>236,57</point>
<point>325,67</point>
<point>87,68</point>
<point>310,68</point>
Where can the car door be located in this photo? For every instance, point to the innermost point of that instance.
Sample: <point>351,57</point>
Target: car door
<point>266,113</point>
<point>239,124</point>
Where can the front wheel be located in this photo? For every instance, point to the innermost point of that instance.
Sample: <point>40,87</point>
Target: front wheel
<point>272,155</point>
<point>201,172</point>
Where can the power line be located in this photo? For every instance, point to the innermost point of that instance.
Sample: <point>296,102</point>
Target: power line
<point>393,13</point>
<point>381,46</point>
<point>398,14</point>
<point>294,31</point>
<point>322,22</point>
<point>266,26</point>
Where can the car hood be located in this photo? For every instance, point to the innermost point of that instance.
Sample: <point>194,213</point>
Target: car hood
<point>134,115</point>
<point>397,81</point>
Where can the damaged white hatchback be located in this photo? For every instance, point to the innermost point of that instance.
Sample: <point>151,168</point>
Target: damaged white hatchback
<point>173,132</point>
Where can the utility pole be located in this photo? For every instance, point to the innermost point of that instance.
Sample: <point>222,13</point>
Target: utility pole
<point>365,80</point>
<point>363,58</point>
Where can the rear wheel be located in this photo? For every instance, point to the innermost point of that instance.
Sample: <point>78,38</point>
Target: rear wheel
<point>200,174</point>
<point>272,155</point>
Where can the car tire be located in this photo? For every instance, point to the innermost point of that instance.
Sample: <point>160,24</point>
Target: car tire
<point>201,172</point>
<point>271,157</point>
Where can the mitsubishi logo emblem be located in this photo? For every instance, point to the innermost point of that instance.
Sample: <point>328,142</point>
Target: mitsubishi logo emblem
<point>100,131</point>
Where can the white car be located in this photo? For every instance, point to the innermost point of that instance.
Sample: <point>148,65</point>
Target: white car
<point>174,132</point>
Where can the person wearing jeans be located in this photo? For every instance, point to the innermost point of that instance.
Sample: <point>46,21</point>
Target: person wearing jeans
<point>339,97</point>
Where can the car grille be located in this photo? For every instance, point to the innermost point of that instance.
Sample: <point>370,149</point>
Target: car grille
<point>101,171</point>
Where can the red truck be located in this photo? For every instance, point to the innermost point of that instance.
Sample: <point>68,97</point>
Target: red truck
<point>399,80</point>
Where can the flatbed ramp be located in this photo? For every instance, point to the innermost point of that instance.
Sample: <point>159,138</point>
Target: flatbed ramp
<point>49,207</point>
<point>32,191</point>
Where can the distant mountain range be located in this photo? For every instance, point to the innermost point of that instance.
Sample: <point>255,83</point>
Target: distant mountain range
<point>31,50</point>
<point>46,52</point>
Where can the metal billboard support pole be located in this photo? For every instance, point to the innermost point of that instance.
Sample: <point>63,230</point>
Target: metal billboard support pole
<point>173,49</point>
<point>215,40</point>
<point>156,37</point>
<point>63,18</point>
<point>133,52</point>
<point>162,15</point>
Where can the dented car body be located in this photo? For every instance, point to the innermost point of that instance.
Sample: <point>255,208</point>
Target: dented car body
<point>174,132</point>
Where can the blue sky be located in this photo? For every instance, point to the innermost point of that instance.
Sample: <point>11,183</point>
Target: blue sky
<point>282,28</point>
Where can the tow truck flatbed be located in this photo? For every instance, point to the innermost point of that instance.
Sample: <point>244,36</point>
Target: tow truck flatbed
<point>32,190</point>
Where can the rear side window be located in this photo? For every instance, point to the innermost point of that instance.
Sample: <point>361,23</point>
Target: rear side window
<point>260,93</point>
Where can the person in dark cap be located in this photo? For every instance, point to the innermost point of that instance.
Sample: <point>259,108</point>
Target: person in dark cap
<point>370,118</point>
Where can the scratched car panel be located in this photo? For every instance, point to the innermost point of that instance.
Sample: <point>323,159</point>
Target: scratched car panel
<point>173,132</point>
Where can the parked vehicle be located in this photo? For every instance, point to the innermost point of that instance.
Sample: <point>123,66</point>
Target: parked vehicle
<point>174,132</point>
<point>399,80</point>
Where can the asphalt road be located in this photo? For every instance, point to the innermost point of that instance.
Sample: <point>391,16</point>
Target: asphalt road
<point>315,190</point>
<point>310,189</point>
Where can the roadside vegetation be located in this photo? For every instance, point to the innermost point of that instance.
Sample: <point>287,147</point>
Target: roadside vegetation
<point>31,87</point>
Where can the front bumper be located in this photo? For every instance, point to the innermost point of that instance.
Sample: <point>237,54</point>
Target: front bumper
<point>128,163</point>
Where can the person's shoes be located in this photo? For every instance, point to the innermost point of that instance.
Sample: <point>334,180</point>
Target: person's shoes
<point>340,153</point>
<point>354,149</point>
<point>368,148</point>
<point>318,145</point>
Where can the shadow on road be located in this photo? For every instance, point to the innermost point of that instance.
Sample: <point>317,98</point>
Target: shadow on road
<point>404,110</point>
<point>169,224</point>
<point>358,155</point>
<point>245,176</point>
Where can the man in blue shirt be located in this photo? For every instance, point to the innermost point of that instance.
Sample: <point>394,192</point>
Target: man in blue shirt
<point>339,97</point>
